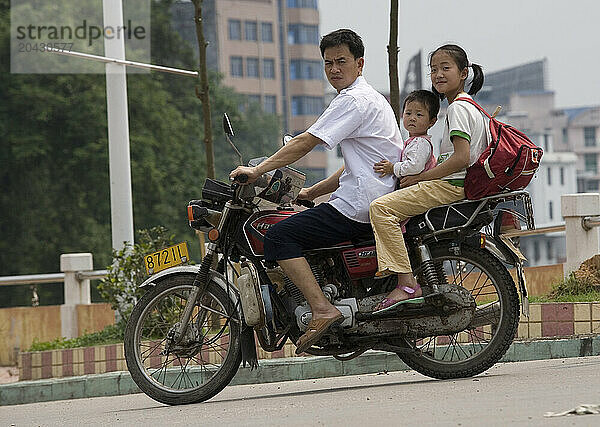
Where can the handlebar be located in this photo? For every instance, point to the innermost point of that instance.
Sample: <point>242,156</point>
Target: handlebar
<point>241,178</point>
<point>305,203</point>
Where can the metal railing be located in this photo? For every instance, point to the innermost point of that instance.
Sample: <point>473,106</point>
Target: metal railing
<point>34,279</point>
<point>541,230</point>
<point>590,222</point>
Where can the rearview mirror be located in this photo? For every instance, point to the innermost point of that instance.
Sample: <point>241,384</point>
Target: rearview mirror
<point>229,134</point>
<point>227,125</point>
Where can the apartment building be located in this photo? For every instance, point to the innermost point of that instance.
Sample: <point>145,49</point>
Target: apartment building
<point>267,50</point>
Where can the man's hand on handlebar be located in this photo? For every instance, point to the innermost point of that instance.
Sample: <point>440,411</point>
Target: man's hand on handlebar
<point>250,172</point>
<point>304,199</point>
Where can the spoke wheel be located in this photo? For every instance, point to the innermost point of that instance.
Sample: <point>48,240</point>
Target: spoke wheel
<point>492,328</point>
<point>199,365</point>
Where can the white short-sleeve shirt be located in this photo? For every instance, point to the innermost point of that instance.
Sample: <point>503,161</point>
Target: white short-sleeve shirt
<point>361,120</point>
<point>465,120</point>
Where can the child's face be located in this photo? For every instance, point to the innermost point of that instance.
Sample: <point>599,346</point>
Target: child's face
<point>415,118</point>
<point>446,78</point>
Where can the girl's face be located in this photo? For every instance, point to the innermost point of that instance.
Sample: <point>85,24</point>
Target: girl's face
<point>446,78</point>
<point>415,118</point>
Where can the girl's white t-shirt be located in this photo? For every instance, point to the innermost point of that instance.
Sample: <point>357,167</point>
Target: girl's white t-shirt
<point>465,120</point>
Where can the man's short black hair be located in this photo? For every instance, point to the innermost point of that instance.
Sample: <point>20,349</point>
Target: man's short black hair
<point>343,36</point>
<point>430,100</point>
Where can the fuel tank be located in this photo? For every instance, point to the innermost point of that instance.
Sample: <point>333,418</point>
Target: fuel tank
<point>257,225</point>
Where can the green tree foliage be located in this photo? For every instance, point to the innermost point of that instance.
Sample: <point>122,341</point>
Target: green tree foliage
<point>55,194</point>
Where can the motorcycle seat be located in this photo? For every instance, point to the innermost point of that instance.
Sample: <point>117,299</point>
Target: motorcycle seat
<point>448,216</point>
<point>367,239</point>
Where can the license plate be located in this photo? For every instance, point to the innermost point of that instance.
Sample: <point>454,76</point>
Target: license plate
<point>166,258</point>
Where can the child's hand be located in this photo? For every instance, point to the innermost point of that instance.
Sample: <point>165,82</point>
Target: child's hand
<point>384,168</point>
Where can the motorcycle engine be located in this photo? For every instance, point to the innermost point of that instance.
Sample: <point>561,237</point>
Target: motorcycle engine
<point>348,307</point>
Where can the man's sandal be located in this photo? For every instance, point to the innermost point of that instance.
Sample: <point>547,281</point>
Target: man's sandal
<point>390,303</point>
<point>316,329</point>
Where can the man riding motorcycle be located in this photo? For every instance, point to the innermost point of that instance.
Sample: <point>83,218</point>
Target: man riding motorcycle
<point>363,123</point>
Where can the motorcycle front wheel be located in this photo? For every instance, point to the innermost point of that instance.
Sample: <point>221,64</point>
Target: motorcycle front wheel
<point>198,366</point>
<point>494,324</point>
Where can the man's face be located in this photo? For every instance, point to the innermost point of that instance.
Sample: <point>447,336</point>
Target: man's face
<point>341,67</point>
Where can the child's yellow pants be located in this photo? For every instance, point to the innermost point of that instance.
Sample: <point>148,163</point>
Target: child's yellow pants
<point>389,210</point>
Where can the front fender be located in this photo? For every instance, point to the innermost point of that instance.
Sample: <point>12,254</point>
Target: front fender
<point>218,278</point>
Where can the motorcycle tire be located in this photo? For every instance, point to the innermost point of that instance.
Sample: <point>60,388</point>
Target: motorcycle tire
<point>190,378</point>
<point>435,363</point>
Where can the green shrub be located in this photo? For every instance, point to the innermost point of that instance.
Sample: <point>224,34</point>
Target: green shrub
<point>571,289</point>
<point>571,286</point>
<point>120,287</point>
<point>111,334</point>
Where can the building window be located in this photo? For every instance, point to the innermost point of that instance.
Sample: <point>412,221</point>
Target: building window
<point>536,251</point>
<point>592,185</point>
<point>250,30</point>
<point>303,34</point>
<point>270,104</point>
<point>591,163</point>
<point>301,69</point>
<point>268,68</point>
<point>562,176</point>
<point>589,136</point>
<point>266,32</point>
<point>550,210</point>
<point>307,105</point>
<point>308,4</point>
<point>549,170</point>
<point>235,29</point>
<point>252,67</point>
<point>237,67</point>
<point>253,99</point>
<point>565,136</point>
<point>549,254</point>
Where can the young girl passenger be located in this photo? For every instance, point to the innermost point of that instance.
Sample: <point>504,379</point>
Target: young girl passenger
<point>465,138</point>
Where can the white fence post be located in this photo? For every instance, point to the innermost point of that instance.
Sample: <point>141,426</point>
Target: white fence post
<point>76,292</point>
<point>582,244</point>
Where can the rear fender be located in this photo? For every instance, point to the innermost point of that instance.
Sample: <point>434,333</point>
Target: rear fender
<point>500,250</point>
<point>219,279</point>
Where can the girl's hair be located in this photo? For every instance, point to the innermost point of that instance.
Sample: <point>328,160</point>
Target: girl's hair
<point>460,58</point>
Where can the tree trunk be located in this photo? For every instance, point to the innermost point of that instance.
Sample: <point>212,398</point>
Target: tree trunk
<point>202,90</point>
<point>392,49</point>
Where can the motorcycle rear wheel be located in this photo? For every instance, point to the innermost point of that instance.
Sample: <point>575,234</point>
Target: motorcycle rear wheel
<point>206,359</point>
<point>477,348</point>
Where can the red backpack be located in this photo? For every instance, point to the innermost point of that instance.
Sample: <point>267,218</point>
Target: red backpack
<point>507,164</point>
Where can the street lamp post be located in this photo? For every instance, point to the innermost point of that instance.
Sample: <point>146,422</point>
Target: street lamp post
<point>118,130</point>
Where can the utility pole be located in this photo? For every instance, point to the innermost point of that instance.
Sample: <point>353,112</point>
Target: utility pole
<point>202,90</point>
<point>392,49</point>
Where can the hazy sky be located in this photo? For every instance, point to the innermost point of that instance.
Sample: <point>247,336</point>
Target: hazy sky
<point>495,34</point>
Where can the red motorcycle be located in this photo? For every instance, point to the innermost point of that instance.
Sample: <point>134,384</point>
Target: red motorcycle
<point>188,334</point>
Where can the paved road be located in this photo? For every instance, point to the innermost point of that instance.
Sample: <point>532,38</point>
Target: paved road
<point>515,393</point>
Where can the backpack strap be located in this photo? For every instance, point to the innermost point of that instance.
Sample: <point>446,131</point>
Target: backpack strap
<point>470,101</point>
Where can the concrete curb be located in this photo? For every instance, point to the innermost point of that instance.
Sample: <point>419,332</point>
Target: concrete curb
<point>275,370</point>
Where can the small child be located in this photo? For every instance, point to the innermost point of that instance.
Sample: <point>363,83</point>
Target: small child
<point>420,112</point>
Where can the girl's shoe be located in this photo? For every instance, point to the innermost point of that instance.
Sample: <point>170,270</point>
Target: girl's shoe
<point>390,303</point>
